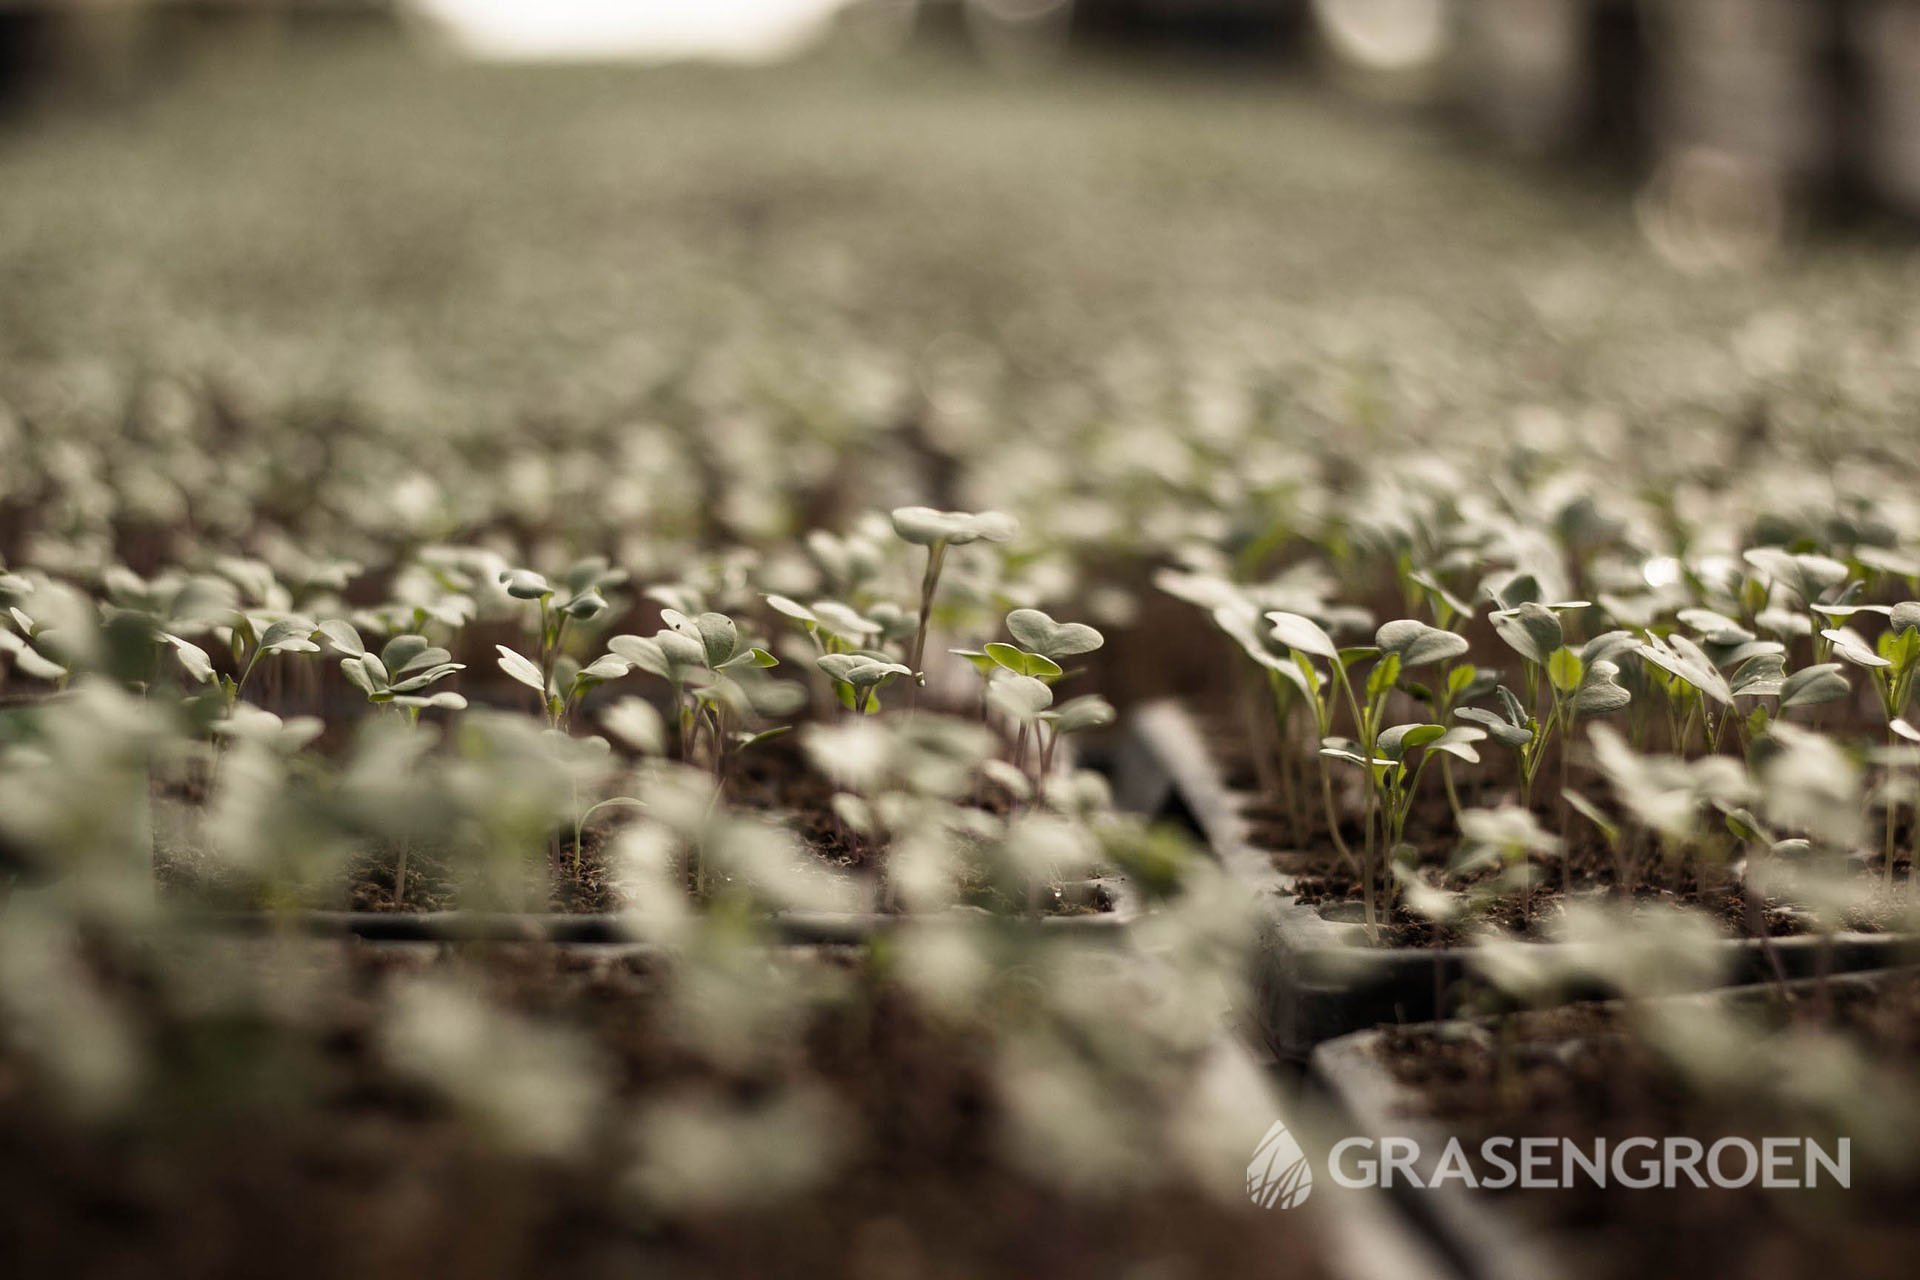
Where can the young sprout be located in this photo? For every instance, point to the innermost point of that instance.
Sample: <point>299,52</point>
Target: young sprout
<point>1301,639</point>
<point>401,673</point>
<point>1505,840</point>
<point>638,726</point>
<point>937,531</point>
<point>559,681</point>
<point>859,677</point>
<point>1667,795</point>
<point>36,642</point>
<point>833,627</point>
<point>1379,752</point>
<point>1417,645</point>
<point>1892,665</point>
<point>400,677</point>
<point>718,681</point>
<point>1575,682</point>
<point>1394,773</point>
<point>1017,678</point>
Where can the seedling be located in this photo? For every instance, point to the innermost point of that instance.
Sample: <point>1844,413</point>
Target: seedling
<point>1018,683</point>
<point>1506,841</point>
<point>858,678</point>
<point>937,531</point>
<point>1892,665</point>
<point>1576,682</point>
<point>400,675</point>
<point>559,680</point>
<point>718,682</point>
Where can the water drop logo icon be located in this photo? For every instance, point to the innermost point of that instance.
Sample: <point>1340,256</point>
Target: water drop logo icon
<point>1278,1173</point>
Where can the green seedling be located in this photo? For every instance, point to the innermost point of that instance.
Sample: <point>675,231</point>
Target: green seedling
<point>718,681</point>
<point>400,675</point>
<point>559,680</point>
<point>858,678</point>
<point>1892,665</point>
<point>1504,841</point>
<point>938,531</point>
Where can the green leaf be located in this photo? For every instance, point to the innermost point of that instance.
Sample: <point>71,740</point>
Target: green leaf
<point>1090,711</point>
<point>1460,678</point>
<point>638,724</point>
<point>1592,813</point>
<point>1600,694</point>
<point>1760,676</point>
<point>1680,657</point>
<point>718,637</point>
<point>1498,728</point>
<point>587,605</point>
<point>1811,686</point>
<point>354,669</point>
<point>421,679</point>
<point>289,635</point>
<point>1531,630</point>
<point>1565,670</point>
<point>1608,646</point>
<point>977,659</point>
<point>1054,640</point>
<point>643,653</point>
<point>1023,663</point>
<point>1309,681</point>
<point>859,670</point>
<point>29,661</point>
<point>608,666</point>
<point>924,526</point>
<point>343,637</point>
<point>193,659</point>
<point>525,584</point>
<point>1458,741</point>
<point>1852,646</point>
<point>1417,644</point>
<point>400,652</point>
<point>1900,648</point>
<point>522,669</point>
<point>682,652</point>
<point>1302,635</point>
<point>745,740</point>
<point>1394,743</point>
<point>792,609</point>
<point>1021,697</point>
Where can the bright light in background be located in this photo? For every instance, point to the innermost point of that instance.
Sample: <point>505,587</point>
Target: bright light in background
<point>1385,35</point>
<point>651,30</point>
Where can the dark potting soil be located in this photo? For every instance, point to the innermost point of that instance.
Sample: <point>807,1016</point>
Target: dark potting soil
<point>287,1147</point>
<point>1579,1073</point>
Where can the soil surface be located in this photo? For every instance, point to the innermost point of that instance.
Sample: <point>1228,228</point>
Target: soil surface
<point>1579,1073</point>
<point>287,1147</point>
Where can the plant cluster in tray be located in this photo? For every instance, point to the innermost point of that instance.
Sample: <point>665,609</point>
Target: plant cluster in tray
<point>917,798</point>
<point>1731,729</point>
